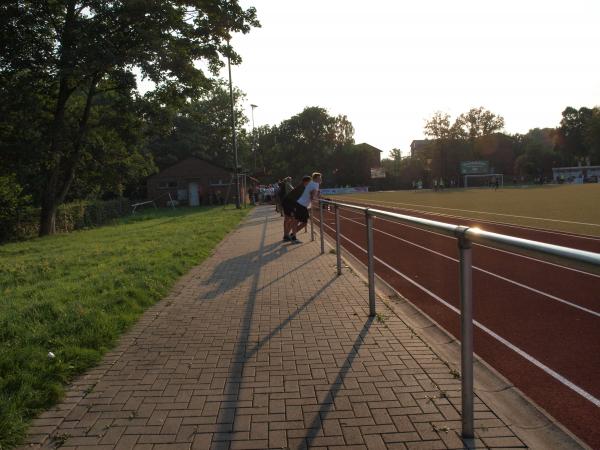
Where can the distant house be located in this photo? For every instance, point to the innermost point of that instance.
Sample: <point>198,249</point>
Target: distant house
<point>418,146</point>
<point>374,154</point>
<point>192,181</point>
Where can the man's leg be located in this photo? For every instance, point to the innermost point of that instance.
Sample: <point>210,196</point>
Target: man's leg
<point>301,226</point>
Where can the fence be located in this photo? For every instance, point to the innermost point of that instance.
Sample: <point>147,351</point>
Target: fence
<point>465,236</point>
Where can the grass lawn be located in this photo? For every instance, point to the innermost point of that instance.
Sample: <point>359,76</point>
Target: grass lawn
<point>73,295</point>
<point>555,207</point>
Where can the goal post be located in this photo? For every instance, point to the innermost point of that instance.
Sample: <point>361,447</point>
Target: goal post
<point>488,178</point>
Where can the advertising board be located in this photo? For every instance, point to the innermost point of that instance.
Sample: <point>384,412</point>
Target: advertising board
<point>474,167</point>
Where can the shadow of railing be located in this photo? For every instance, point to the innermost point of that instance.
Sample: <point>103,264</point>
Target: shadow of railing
<point>329,398</point>
<point>242,353</point>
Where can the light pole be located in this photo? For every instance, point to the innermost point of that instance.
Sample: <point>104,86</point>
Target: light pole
<point>235,155</point>
<point>253,136</point>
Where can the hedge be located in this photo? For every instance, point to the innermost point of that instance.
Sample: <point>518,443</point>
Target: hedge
<point>70,216</point>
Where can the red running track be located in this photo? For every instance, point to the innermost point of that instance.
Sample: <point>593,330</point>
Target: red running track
<point>538,322</point>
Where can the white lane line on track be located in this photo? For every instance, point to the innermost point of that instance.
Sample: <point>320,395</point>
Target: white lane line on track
<point>508,280</point>
<point>511,225</point>
<point>491,213</point>
<point>485,329</point>
<point>445,236</point>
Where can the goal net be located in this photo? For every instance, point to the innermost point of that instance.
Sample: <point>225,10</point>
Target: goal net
<point>487,180</point>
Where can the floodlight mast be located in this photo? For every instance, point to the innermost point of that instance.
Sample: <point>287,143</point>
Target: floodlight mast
<point>253,135</point>
<point>235,154</point>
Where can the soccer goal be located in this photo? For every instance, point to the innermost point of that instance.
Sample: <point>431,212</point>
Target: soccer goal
<point>487,180</point>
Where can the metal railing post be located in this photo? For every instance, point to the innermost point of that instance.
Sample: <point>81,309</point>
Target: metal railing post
<point>312,225</point>
<point>321,227</point>
<point>370,263</point>
<point>338,238</point>
<point>466,334</point>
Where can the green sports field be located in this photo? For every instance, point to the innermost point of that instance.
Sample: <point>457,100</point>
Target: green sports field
<point>569,208</point>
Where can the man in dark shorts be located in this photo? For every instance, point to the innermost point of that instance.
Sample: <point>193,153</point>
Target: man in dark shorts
<point>303,204</point>
<point>289,204</point>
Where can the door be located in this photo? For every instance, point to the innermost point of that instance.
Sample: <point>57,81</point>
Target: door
<point>193,189</point>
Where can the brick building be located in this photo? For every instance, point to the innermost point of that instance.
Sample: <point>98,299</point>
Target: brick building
<point>374,153</point>
<point>418,147</point>
<point>193,181</point>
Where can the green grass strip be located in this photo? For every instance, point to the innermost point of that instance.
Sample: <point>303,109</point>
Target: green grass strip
<point>74,295</point>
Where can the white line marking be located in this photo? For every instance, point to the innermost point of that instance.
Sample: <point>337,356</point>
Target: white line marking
<point>490,248</point>
<point>508,280</point>
<point>491,213</point>
<point>485,329</point>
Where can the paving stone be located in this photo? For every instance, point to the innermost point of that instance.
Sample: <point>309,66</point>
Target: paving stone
<point>263,346</point>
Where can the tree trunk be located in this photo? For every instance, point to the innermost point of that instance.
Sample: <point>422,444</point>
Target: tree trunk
<point>49,201</point>
<point>48,216</point>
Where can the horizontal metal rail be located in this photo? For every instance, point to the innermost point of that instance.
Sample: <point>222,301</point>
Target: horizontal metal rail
<point>465,237</point>
<point>478,235</point>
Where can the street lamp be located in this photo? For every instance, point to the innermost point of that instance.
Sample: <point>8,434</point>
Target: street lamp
<point>253,135</point>
<point>235,154</point>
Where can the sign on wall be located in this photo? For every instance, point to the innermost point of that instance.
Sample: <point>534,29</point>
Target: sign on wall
<point>377,172</point>
<point>474,167</point>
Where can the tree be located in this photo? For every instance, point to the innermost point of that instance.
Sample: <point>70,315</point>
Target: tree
<point>592,136</point>
<point>455,142</point>
<point>478,122</point>
<point>572,142</point>
<point>439,129</point>
<point>539,154</point>
<point>200,127</point>
<point>311,140</point>
<point>396,155</point>
<point>78,49</point>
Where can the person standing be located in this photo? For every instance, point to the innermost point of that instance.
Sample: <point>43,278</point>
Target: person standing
<point>303,205</point>
<point>288,205</point>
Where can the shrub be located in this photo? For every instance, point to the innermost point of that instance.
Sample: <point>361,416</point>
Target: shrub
<point>24,222</point>
<point>12,201</point>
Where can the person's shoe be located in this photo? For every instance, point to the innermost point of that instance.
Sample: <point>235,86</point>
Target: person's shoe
<point>286,238</point>
<point>296,240</point>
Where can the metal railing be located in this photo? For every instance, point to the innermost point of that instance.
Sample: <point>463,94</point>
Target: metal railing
<point>465,236</point>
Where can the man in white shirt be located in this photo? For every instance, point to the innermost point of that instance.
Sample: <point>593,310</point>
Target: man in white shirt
<point>301,214</point>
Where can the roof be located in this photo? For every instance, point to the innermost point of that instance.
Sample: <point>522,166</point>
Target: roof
<point>419,142</point>
<point>368,146</point>
<point>166,170</point>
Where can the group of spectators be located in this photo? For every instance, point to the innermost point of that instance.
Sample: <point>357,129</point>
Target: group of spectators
<point>294,203</point>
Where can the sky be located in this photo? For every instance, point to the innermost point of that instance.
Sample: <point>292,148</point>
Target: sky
<point>390,64</point>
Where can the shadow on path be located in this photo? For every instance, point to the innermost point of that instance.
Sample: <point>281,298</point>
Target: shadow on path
<point>328,400</point>
<point>242,353</point>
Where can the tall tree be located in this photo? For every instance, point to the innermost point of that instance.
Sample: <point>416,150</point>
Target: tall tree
<point>539,154</point>
<point>592,136</point>
<point>478,122</point>
<point>80,48</point>
<point>443,133</point>
<point>200,127</point>
<point>572,132</point>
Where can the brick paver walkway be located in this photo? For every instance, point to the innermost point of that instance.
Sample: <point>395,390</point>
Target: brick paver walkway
<point>262,346</point>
